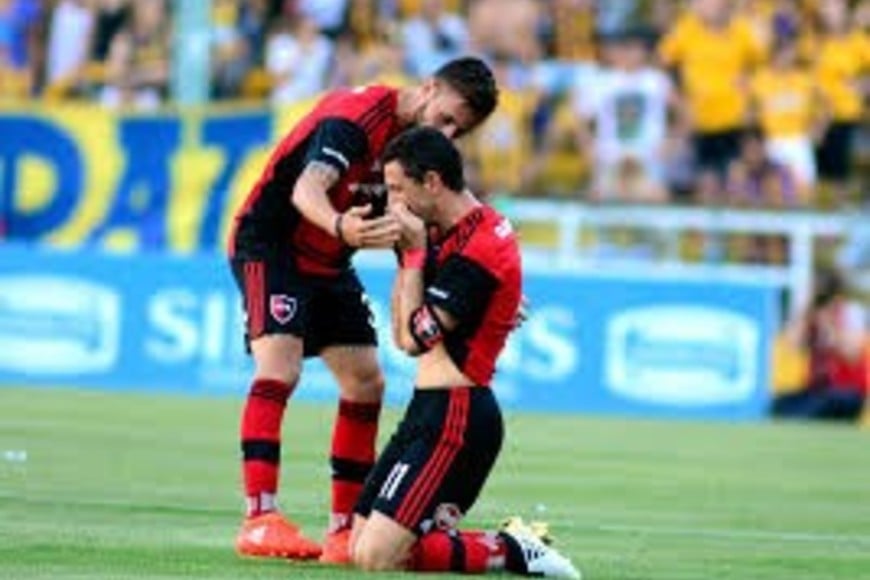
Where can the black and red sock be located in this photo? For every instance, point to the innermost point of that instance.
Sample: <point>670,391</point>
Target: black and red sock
<point>352,457</point>
<point>261,443</point>
<point>468,552</point>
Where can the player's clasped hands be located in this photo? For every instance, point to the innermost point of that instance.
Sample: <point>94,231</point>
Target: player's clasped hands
<point>360,231</point>
<point>412,229</point>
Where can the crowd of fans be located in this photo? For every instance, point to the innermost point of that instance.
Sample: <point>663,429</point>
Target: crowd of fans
<point>751,103</point>
<point>737,103</point>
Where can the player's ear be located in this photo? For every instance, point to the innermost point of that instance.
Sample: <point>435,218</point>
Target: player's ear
<point>432,182</point>
<point>429,87</point>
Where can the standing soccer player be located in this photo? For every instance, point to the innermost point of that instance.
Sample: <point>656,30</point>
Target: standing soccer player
<point>455,300</point>
<point>319,199</point>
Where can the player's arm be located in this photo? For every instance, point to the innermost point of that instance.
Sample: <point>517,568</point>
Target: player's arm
<point>407,294</point>
<point>395,313</point>
<point>418,326</point>
<point>334,146</point>
<point>407,298</point>
<point>460,294</point>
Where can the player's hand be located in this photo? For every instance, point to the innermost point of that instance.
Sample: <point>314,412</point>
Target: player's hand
<point>395,198</point>
<point>412,228</point>
<point>359,231</point>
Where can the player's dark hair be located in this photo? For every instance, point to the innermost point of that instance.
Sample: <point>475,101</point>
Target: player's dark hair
<point>425,149</point>
<point>474,81</point>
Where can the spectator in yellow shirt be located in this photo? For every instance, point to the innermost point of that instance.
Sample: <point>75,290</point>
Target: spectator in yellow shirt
<point>502,148</point>
<point>842,59</point>
<point>713,52</point>
<point>785,102</point>
<point>772,19</point>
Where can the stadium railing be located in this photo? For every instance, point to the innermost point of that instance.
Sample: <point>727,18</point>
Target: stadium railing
<point>574,222</point>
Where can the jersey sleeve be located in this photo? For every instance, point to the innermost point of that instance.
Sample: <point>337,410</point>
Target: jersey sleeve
<point>671,47</point>
<point>462,287</point>
<point>337,142</point>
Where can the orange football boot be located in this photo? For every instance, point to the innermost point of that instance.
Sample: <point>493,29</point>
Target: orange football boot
<point>336,548</point>
<point>271,535</point>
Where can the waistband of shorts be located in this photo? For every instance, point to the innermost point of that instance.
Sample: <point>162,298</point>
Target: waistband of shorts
<point>430,394</point>
<point>448,388</point>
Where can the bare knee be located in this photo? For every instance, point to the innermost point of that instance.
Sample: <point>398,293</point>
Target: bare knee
<point>288,376</point>
<point>278,358</point>
<point>357,371</point>
<point>278,370</point>
<point>371,383</point>
<point>363,385</point>
<point>374,557</point>
<point>382,544</point>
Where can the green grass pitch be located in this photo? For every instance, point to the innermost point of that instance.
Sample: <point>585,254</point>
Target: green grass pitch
<point>139,486</point>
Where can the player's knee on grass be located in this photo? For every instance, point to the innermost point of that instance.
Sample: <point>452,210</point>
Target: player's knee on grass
<point>278,357</point>
<point>382,545</point>
<point>374,557</point>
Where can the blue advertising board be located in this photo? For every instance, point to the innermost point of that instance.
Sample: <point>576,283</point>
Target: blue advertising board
<point>676,348</point>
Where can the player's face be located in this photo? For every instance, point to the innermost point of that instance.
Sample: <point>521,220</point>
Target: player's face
<point>403,189</point>
<point>444,109</point>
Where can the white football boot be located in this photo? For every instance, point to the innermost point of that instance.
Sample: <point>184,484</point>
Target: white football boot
<point>539,558</point>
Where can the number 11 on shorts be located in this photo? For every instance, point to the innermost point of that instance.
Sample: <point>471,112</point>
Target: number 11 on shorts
<point>391,484</point>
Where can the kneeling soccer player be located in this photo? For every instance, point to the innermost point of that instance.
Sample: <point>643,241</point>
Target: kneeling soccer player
<point>455,300</point>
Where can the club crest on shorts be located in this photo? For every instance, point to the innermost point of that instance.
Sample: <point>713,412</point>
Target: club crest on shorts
<point>282,307</point>
<point>447,516</point>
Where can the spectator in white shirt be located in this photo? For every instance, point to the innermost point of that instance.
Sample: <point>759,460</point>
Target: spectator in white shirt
<point>330,16</point>
<point>433,37</point>
<point>68,41</point>
<point>626,110</point>
<point>299,62</point>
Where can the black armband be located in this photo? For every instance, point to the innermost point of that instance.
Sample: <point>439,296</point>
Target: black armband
<point>425,327</point>
<point>338,143</point>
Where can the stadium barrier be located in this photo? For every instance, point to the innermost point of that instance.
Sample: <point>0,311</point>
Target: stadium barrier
<point>573,223</point>
<point>610,343</point>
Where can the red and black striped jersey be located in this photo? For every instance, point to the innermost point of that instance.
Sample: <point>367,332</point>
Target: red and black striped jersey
<point>348,129</point>
<point>474,272</point>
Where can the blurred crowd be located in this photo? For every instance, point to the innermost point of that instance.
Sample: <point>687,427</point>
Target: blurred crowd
<point>735,103</point>
<point>754,103</point>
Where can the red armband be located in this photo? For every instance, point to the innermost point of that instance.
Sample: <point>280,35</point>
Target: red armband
<point>414,259</point>
<point>426,329</point>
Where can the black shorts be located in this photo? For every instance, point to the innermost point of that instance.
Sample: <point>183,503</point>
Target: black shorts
<point>715,151</point>
<point>834,154</point>
<point>321,311</point>
<point>433,468</point>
